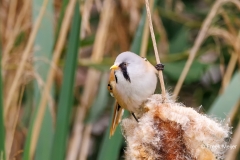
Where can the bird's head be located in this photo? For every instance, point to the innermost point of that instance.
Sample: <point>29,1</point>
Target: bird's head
<point>126,65</point>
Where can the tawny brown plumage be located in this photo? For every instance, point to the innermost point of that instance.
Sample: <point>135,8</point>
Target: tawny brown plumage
<point>118,111</point>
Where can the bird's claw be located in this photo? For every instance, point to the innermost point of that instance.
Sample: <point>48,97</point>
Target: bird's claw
<point>134,117</point>
<point>159,67</point>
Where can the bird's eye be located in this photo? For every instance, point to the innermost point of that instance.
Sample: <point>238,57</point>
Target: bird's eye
<point>109,87</point>
<point>123,65</point>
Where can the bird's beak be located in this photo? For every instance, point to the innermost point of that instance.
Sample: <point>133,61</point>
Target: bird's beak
<point>114,67</point>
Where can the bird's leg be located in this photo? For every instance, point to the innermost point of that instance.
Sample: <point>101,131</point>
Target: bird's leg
<point>134,117</point>
<point>159,66</point>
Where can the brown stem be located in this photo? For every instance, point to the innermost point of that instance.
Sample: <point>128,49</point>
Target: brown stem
<point>155,49</point>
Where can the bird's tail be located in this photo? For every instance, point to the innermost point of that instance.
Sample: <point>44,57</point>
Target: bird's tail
<point>117,116</point>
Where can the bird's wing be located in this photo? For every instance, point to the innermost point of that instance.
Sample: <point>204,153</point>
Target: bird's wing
<point>111,79</point>
<point>117,116</point>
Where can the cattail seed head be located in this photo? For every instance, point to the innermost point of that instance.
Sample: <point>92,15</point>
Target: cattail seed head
<point>172,131</point>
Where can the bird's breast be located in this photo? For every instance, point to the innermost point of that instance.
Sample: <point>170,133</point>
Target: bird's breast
<point>131,95</point>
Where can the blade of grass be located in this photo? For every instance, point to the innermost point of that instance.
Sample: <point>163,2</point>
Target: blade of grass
<point>44,52</point>
<point>111,147</point>
<point>66,94</point>
<point>2,129</point>
<point>91,84</point>
<point>47,87</point>
<point>226,101</point>
<point>196,71</point>
<point>45,46</point>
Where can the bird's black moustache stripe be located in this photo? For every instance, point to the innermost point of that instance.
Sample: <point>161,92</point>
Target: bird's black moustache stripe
<point>123,67</point>
<point>116,78</point>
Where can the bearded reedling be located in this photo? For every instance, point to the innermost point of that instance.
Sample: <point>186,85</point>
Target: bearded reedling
<point>132,80</point>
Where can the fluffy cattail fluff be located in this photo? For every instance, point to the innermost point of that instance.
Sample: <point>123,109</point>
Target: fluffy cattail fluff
<point>172,131</point>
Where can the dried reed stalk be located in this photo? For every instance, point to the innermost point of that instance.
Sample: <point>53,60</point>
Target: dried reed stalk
<point>16,30</point>
<point>233,112</point>
<point>232,153</point>
<point>101,35</point>
<point>11,17</point>
<point>237,48</point>
<point>231,40</point>
<point>227,21</point>
<point>86,142</point>
<point>85,26</point>
<point>41,84</point>
<point>98,5</point>
<point>143,51</point>
<point>12,127</point>
<point>25,55</point>
<point>56,55</point>
<point>199,40</point>
<point>222,33</point>
<point>229,71</point>
<point>155,49</point>
<point>163,45</point>
<point>93,77</point>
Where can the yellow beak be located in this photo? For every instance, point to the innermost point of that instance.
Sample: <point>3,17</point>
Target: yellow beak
<point>114,67</point>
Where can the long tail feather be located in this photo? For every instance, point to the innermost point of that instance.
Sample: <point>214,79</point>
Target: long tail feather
<point>117,116</point>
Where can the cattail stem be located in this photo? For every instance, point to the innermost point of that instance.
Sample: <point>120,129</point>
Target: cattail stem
<point>155,49</point>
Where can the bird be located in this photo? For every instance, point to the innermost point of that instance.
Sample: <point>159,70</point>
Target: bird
<point>132,80</point>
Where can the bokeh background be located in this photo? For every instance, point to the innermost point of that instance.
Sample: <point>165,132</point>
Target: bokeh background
<point>55,59</point>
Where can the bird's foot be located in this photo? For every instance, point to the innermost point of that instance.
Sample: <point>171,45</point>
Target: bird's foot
<point>159,67</point>
<point>134,117</point>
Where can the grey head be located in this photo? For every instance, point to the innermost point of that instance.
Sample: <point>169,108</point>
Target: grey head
<point>128,62</point>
